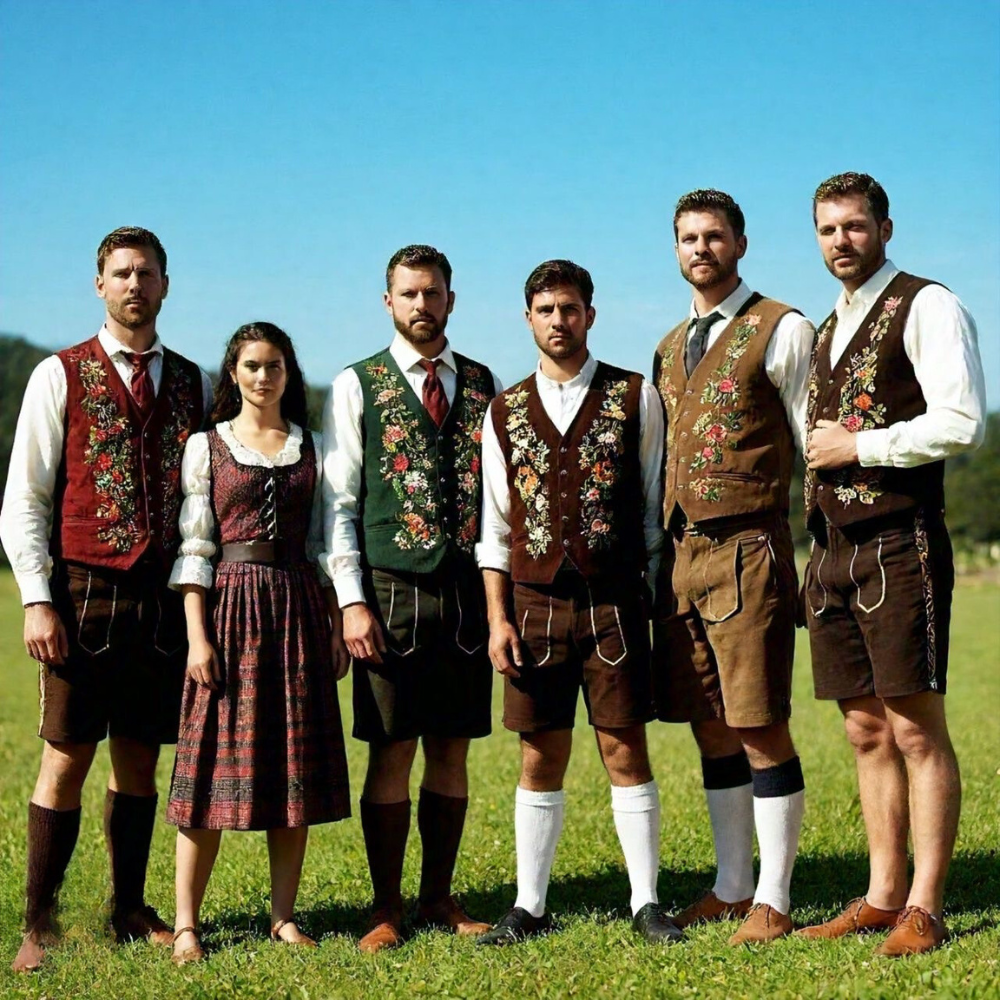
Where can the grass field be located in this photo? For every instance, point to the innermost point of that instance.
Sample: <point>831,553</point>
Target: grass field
<point>594,953</point>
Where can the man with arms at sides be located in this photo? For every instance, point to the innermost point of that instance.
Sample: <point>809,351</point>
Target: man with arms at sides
<point>89,524</point>
<point>732,376</point>
<point>403,486</point>
<point>571,467</point>
<point>896,387</point>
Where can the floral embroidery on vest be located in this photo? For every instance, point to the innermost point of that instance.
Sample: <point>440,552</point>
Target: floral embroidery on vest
<point>173,437</point>
<point>111,454</point>
<point>665,384</point>
<point>601,448</point>
<point>824,333</point>
<point>530,454</point>
<point>405,462</point>
<point>709,490</point>
<point>722,393</point>
<point>468,443</point>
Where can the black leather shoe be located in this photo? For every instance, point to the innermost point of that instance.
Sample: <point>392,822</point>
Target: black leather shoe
<point>655,926</point>
<point>516,925</point>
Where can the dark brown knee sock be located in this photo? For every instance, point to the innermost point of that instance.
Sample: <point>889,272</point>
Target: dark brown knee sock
<point>128,831</point>
<point>440,819</point>
<point>51,838</point>
<point>386,827</point>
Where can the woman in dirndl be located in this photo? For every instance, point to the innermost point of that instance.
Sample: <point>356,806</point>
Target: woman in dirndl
<point>261,745</point>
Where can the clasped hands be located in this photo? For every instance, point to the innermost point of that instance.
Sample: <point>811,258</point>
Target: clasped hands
<point>831,446</point>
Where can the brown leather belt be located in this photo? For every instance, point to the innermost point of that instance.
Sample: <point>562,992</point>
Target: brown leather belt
<point>254,552</point>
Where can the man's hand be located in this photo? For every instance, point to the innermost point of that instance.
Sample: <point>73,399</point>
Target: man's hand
<point>831,446</point>
<point>203,664</point>
<point>362,634</point>
<point>45,636</point>
<point>504,644</point>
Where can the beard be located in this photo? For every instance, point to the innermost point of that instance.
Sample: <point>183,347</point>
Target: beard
<point>431,328</point>
<point>558,352</point>
<point>134,319</point>
<point>861,265</point>
<point>722,270</point>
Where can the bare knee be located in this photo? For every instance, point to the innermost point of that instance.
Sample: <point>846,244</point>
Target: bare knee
<point>624,754</point>
<point>62,773</point>
<point>919,727</point>
<point>133,766</point>
<point>767,746</point>
<point>389,765</point>
<point>544,759</point>
<point>715,739</point>
<point>868,733</point>
<point>445,768</point>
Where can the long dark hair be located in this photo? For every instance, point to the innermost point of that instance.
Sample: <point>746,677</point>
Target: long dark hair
<point>227,401</point>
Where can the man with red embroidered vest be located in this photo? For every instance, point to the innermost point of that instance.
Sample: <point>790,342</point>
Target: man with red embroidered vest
<point>571,466</point>
<point>896,387</point>
<point>89,524</point>
<point>732,377</point>
<point>403,482</point>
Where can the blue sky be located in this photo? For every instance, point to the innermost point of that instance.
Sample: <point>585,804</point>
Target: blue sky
<point>282,152</point>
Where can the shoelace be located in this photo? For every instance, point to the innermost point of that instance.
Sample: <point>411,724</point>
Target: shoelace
<point>915,915</point>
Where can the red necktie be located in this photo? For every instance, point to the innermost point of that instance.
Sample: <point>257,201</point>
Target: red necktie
<point>434,398</point>
<point>142,381</point>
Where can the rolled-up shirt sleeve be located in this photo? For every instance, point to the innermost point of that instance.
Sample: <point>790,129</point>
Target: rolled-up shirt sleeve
<point>493,551</point>
<point>940,339</point>
<point>193,565</point>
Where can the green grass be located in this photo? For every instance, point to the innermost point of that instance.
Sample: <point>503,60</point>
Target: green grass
<point>594,953</point>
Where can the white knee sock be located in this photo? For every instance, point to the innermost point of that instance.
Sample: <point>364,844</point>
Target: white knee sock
<point>731,811</point>
<point>778,819</point>
<point>637,819</point>
<point>538,821</point>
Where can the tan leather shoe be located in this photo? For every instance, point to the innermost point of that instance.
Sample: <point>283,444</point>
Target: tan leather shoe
<point>709,907</point>
<point>915,932</point>
<point>142,923</point>
<point>448,915</point>
<point>384,931</point>
<point>763,923</point>
<point>858,918</point>
<point>193,953</point>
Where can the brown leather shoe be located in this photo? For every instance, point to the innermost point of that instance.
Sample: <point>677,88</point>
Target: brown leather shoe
<point>385,930</point>
<point>763,923</point>
<point>915,932</point>
<point>142,923</point>
<point>447,915</point>
<point>193,953</point>
<point>858,918</point>
<point>708,907</point>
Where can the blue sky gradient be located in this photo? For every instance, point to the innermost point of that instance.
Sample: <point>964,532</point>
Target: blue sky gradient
<point>282,152</point>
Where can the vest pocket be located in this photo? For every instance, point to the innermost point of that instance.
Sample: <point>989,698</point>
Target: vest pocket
<point>95,602</point>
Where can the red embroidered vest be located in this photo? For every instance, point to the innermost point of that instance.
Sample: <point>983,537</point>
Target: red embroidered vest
<point>872,385</point>
<point>576,496</point>
<point>729,446</point>
<point>118,487</point>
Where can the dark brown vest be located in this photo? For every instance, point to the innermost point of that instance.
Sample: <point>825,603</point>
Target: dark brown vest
<point>729,447</point>
<point>576,496</point>
<point>873,385</point>
<point>118,490</point>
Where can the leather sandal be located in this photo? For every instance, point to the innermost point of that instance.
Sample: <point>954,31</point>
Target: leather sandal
<point>306,942</point>
<point>194,953</point>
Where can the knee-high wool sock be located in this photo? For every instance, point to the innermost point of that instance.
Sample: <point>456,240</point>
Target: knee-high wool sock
<point>385,827</point>
<point>729,793</point>
<point>128,832</point>
<point>51,838</point>
<point>778,803</point>
<point>440,820</point>
<point>538,822</point>
<point>637,819</point>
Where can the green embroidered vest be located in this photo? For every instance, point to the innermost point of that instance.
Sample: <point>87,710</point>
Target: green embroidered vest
<point>421,487</point>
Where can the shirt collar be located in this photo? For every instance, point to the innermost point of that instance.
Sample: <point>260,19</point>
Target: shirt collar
<point>113,346</point>
<point>730,305</point>
<point>582,378</point>
<point>408,357</point>
<point>864,297</point>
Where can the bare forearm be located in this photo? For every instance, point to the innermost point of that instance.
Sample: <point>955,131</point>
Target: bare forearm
<point>194,611</point>
<point>497,585</point>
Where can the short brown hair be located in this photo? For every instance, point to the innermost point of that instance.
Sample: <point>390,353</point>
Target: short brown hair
<point>418,255</point>
<point>710,200</point>
<point>555,273</point>
<point>852,183</point>
<point>130,236</point>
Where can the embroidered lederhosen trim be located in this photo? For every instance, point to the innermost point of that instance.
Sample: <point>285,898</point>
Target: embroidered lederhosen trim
<point>857,586</point>
<point>816,612</point>
<point>416,616</point>
<point>83,617</point>
<point>593,630</point>
<point>458,628</point>
<point>923,553</point>
<point>548,633</point>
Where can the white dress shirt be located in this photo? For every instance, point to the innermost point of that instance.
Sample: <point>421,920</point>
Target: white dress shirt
<point>197,522</point>
<point>26,518</point>
<point>786,359</point>
<point>561,400</point>
<point>344,458</point>
<point>941,342</point>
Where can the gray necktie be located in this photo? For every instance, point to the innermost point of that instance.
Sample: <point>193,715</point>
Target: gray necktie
<point>696,344</point>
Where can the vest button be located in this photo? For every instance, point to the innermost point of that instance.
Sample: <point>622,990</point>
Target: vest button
<point>152,532</point>
<point>563,495</point>
<point>687,392</point>
<point>820,486</point>
<point>565,518</point>
<point>565,543</point>
<point>684,434</point>
<point>562,472</point>
<point>829,381</point>
<point>564,449</point>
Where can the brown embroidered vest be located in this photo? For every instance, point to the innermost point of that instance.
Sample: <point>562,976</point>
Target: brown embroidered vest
<point>729,447</point>
<point>118,487</point>
<point>576,496</point>
<point>872,385</point>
